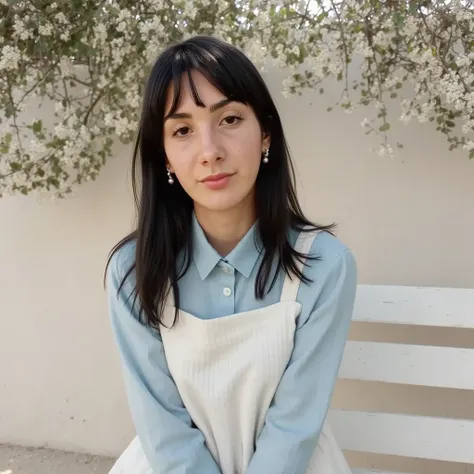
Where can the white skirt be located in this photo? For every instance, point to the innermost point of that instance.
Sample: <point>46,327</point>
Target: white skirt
<point>328,458</point>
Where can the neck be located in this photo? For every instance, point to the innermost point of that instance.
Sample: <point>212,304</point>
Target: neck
<point>225,229</point>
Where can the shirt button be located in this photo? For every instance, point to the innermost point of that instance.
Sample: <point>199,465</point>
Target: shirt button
<point>227,291</point>
<point>226,269</point>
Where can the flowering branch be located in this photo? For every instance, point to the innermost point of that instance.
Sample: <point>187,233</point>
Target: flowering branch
<point>90,59</point>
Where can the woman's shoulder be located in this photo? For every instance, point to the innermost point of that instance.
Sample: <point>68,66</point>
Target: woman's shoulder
<point>329,252</point>
<point>121,261</point>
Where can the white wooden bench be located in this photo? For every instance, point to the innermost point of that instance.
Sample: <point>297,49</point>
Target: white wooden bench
<point>443,439</point>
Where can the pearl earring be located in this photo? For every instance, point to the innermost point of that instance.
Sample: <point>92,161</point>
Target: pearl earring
<point>265,155</point>
<point>170,178</point>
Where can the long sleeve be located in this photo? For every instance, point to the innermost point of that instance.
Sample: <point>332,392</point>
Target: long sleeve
<point>296,416</point>
<point>170,442</point>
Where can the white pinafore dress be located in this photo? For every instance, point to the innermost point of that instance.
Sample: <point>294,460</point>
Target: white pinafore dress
<point>227,370</point>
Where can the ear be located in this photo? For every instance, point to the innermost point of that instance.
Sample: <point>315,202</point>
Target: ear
<point>169,167</point>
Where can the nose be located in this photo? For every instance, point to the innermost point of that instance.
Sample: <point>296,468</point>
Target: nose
<point>210,148</point>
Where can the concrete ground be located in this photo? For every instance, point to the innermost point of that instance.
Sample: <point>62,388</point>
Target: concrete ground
<point>20,460</point>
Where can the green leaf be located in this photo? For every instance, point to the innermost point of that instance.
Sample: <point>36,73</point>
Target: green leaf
<point>399,19</point>
<point>53,181</point>
<point>471,154</point>
<point>9,110</point>
<point>384,127</point>
<point>322,16</point>
<point>413,8</point>
<point>15,166</point>
<point>37,126</point>
<point>379,49</point>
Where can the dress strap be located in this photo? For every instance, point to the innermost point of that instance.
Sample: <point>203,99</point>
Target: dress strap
<point>291,285</point>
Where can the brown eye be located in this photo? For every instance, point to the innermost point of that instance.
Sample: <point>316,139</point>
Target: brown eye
<point>181,132</point>
<point>232,119</point>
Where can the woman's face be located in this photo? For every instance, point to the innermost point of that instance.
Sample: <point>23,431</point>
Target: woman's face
<point>215,151</point>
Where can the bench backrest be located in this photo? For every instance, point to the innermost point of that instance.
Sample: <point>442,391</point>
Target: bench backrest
<point>437,438</point>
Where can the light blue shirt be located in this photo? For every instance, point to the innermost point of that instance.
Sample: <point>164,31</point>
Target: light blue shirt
<point>214,287</point>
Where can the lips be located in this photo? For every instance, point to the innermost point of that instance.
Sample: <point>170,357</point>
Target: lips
<point>217,181</point>
<point>216,177</point>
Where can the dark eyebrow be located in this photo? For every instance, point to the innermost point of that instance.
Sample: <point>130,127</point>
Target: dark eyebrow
<point>212,108</point>
<point>219,105</point>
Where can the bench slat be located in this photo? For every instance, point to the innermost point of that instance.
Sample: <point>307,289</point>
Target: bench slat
<point>445,307</point>
<point>423,437</point>
<point>431,366</point>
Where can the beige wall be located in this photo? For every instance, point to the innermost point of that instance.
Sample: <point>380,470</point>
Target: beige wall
<point>409,220</point>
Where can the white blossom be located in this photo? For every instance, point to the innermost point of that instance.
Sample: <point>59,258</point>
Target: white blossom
<point>99,99</point>
<point>37,147</point>
<point>61,131</point>
<point>190,10</point>
<point>468,126</point>
<point>365,123</point>
<point>65,35</point>
<point>61,18</point>
<point>20,30</point>
<point>122,26</point>
<point>100,35</point>
<point>66,66</point>
<point>469,145</point>
<point>45,30</point>
<point>9,57</point>
<point>385,150</point>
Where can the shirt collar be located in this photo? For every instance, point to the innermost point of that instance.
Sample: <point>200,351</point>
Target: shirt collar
<point>243,257</point>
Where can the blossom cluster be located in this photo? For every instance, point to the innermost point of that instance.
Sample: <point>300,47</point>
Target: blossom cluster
<point>90,60</point>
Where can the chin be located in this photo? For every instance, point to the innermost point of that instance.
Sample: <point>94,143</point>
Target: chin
<point>221,202</point>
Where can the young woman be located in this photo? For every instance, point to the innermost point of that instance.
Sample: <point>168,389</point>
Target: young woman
<point>229,307</point>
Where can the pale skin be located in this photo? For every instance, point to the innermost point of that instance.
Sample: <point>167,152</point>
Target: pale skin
<point>222,137</point>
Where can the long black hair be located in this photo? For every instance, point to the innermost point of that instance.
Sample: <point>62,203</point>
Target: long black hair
<point>163,229</point>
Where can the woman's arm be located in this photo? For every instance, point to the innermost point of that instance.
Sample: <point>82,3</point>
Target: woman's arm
<point>171,444</point>
<point>296,416</point>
